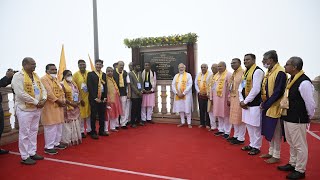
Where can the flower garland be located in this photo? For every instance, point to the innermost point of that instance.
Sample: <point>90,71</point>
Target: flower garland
<point>177,39</point>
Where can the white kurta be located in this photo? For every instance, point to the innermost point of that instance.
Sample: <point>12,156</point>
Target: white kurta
<point>187,104</point>
<point>252,115</point>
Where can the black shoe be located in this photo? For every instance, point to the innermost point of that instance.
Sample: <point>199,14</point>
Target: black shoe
<point>246,148</point>
<point>236,142</point>
<point>296,175</point>
<point>141,123</point>
<point>150,121</point>
<point>89,133</point>
<point>124,127</point>
<point>28,161</point>
<point>36,157</point>
<point>231,139</point>
<point>60,146</point>
<point>226,136</point>
<point>218,133</point>
<point>103,134</point>
<point>287,167</point>
<point>254,151</point>
<point>94,136</point>
<point>117,128</point>
<point>2,151</point>
<point>50,151</point>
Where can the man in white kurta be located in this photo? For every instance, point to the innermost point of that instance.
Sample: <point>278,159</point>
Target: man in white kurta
<point>182,89</point>
<point>30,97</point>
<point>213,120</point>
<point>250,100</point>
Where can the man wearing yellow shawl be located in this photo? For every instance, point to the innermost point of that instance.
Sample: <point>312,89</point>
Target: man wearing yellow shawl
<point>182,89</point>
<point>98,89</point>
<point>273,87</point>
<point>149,79</point>
<point>299,91</point>
<point>114,109</point>
<point>30,97</point>
<point>80,78</point>
<point>52,116</point>
<point>120,77</point>
<point>219,94</point>
<point>213,120</point>
<point>200,84</point>
<point>250,100</point>
<point>235,110</point>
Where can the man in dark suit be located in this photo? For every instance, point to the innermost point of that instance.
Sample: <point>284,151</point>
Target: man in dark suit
<point>97,88</point>
<point>6,80</point>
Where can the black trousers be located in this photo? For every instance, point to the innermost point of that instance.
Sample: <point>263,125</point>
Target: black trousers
<point>1,121</point>
<point>136,110</point>
<point>100,109</point>
<point>204,115</point>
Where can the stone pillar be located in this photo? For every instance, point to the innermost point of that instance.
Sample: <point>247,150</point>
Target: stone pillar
<point>316,84</point>
<point>171,100</point>
<point>164,99</point>
<point>156,107</point>
<point>5,105</point>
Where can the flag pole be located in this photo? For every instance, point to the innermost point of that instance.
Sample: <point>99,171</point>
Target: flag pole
<point>95,31</point>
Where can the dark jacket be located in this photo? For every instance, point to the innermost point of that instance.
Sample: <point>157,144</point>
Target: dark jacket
<point>5,81</point>
<point>92,83</point>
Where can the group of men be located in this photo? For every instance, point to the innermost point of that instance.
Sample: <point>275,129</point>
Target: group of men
<point>265,104</point>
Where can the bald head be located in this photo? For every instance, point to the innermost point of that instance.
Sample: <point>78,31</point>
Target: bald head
<point>28,64</point>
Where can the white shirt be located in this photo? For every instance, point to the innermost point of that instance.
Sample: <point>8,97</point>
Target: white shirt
<point>202,80</point>
<point>257,79</point>
<point>21,96</point>
<point>306,90</point>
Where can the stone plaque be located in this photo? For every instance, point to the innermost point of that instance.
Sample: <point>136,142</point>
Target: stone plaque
<point>164,63</point>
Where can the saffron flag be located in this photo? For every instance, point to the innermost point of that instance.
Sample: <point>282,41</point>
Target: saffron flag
<point>91,64</point>
<point>62,65</point>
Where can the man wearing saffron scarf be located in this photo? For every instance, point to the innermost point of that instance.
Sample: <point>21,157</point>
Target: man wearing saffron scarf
<point>5,81</point>
<point>114,109</point>
<point>210,82</point>
<point>250,100</point>
<point>120,77</point>
<point>200,84</point>
<point>182,89</point>
<point>80,78</point>
<point>219,94</point>
<point>273,87</point>
<point>299,109</point>
<point>149,79</point>
<point>30,97</point>
<point>52,116</point>
<point>235,110</point>
<point>97,88</point>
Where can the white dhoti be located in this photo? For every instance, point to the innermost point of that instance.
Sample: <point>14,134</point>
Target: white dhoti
<point>28,130</point>
<point>213,122</point>
<point>182,118</point>
<point>146,113</point>
<point>86,121</point>
<point>224,125</point>
<point>125,116</point>
<point>239,131</point>
<point>52,135</point>
<point>275,144</point>
<point>252,118</point>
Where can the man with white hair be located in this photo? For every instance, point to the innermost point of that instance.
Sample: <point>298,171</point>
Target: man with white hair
<point>200,84</point>
<point>182,88</point>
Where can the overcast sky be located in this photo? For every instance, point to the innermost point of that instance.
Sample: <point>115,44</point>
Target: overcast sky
<point>226,29</point>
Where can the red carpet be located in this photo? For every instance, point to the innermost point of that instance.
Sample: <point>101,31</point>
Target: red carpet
<point>159,149</point>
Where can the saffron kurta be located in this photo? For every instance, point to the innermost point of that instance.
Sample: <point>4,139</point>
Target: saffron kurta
<point>220,107</point>
<point>183,105</point>
<point>81,81</point>
<point>51,113</point>
<point>235,109</point>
